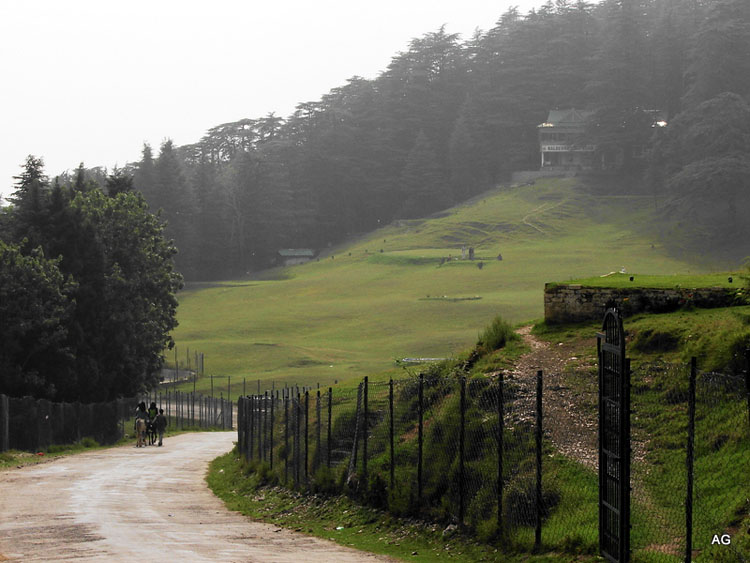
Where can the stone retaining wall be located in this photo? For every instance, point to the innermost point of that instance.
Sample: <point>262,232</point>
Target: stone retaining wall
<point>572,303</point>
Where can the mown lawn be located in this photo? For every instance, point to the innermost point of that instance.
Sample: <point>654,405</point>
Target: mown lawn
<point>391,294</point>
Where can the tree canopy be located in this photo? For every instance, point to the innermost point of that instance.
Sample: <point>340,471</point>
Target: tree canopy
<point>91,323</point>
<point>445,120</point>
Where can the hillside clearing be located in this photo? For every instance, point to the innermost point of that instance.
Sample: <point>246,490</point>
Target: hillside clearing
<point>359,307</point>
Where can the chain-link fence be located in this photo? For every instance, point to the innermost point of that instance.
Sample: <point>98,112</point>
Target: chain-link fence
<point>480,452</point>
<point>192,410</point>
<point>30,424</point>
<point>691,463</point>
<point>35,424</point>
<point>425,446</point>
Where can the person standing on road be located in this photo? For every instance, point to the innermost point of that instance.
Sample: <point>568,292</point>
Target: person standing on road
<point>161,424</point>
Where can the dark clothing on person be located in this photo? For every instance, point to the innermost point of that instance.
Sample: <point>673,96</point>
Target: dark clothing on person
<point>160,422</point>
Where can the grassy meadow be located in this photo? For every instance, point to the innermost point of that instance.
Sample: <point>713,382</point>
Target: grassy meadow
<point>401,292</point>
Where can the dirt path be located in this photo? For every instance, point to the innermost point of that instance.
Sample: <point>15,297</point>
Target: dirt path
<point>139,504</point>
<point>569,416</point>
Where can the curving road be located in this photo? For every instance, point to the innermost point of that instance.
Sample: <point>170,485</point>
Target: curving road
<point>134,504</point>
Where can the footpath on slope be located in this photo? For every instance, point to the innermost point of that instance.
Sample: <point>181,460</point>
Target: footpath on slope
<point>138,504</point>
<point>569,415</point>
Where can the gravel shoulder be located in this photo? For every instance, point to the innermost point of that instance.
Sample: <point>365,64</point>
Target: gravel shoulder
<point>127,503</point>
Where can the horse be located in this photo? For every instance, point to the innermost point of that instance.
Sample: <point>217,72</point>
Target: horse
<point>140,431</point>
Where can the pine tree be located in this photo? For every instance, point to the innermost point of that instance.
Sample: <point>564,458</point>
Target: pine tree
<point>422,183</point>
<point>721,53</point>
<point>29,202</point>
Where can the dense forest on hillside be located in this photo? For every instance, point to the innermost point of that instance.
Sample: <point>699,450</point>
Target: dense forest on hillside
<point>450,117</point>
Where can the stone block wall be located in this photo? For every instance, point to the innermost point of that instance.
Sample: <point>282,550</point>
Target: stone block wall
<point>573,303</point>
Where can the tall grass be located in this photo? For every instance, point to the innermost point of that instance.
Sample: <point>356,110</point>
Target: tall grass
<point>496,335</point>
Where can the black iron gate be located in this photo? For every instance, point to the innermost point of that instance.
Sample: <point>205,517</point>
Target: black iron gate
<point>614,440</point>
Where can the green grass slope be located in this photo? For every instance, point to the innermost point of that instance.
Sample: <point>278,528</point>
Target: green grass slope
<point>388,295</point>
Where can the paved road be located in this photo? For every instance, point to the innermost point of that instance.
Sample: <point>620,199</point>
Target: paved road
<point>138,504</point>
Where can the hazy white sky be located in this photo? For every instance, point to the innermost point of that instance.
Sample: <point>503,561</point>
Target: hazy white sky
<point>91,80</point>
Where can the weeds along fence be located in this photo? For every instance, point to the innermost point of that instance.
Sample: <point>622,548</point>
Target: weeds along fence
<point>478,452</point>
<point>425,446</point>
<point>192,410</point>
<point>35,424</point>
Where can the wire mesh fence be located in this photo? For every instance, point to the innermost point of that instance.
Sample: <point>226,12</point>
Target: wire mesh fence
<point>478,452</point>
<point>187,410</point>
<point>691,462</point>
<point>425,446</point>
<point>30,424</point>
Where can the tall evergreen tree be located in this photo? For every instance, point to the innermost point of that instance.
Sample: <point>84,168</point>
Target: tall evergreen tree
<point>174,194</point>
<point>422,183</point>
<point>29,202</point>
<point>144,178</point>
<point>721,53</point>
<point>119,182</point>
<point>35,307</point>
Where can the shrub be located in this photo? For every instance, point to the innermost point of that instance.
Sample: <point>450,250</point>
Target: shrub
<point>89,442</point>
<point>495,336</point>
<point>324,481</point>
<point>376,494</point>
<point>656,341</point>
<point>738,344</point>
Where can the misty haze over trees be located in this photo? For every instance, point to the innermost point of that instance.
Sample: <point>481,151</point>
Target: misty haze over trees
<point>450,118</point>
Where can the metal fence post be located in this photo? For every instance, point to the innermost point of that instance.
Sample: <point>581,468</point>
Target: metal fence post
<point>538,529</point>
<point>689,463</point>
<point>500,431</point>
<point>245,423</point>
<point>307,432</point>
<point>316,463</point>
<point>747,382</point>
<point>390,408</point>
<point>297,416</point>
<point>419,450</point>
<point>265,425</point>
<point>286,436</point>
<point>240,446</point>
<point>270,450</point>
<point>330,412</point>
<point>461,447</point>
<point>259,408</point>
<point>4,423</point>
<point>364,437</point>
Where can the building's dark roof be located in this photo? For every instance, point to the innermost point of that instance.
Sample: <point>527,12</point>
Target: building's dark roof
<point>569,117</point>
<point>297,252</point>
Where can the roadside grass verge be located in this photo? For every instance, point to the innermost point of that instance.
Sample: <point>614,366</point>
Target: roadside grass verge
<point>16,458</point>
<point>348,523</point>
<point>13,459</point>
